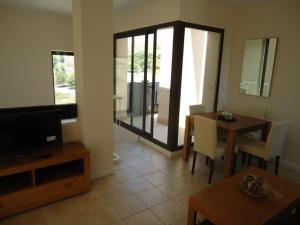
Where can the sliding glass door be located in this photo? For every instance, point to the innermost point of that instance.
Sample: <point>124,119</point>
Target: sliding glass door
<point>199,72</point>
<point>159,72</point>
<point>142,82</point>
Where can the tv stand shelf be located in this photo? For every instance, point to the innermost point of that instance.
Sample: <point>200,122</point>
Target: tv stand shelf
<point>39,179</point>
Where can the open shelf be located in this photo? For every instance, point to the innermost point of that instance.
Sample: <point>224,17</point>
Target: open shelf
<point>58,172</point>
<point>16,182</point>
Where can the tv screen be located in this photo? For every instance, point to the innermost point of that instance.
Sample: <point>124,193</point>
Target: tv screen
<point>23,132</point>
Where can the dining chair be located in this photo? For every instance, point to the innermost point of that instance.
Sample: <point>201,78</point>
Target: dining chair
<point>270,149</point>
<point>206,142</point>
<point>197,109</point>
<point>256,112</point>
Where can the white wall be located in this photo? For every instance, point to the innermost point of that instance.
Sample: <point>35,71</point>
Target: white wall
<point>216,14</point>
<point>93,45</point>
<point>280,19</point>
<point>146,13</point>
<point>26,40</point>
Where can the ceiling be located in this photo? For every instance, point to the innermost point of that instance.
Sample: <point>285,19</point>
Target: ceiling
<point>65,6</point>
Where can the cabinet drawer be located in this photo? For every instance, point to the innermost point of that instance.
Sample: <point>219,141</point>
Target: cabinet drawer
<point>63,188</point>
<point>41,195</point>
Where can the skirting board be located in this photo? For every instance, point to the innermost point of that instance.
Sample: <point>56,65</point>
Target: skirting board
<point>289,165</point>
<point>160,149</point>
<point>97,176</point>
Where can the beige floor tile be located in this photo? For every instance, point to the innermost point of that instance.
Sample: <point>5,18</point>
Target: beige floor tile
<point>119,165</point>
<point>101,215</point>
<point>182,200</point>
<point>161,163</point>
<point>57,213</point>
<point>157,178</point>
<point>128,206</point>
<point>175,172</point>
<point>143,218</point>
<point>174,188</point>
<point>73,220</point>
<point>89,200</point>
<point>131,161</point>
<point>125,174</point>
<point>105,182</point>
<point>121,222</point>
<point>33,217</point>
<point>152,197</point>
<point>182,221</point>
<point>138,184</point>
<point>168,212</point>
<point>116,191</point>
<point>143,169</point>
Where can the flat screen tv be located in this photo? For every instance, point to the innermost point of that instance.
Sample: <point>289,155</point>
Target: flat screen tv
<point>28,132</point>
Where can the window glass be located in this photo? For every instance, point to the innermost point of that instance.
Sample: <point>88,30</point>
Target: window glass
<point>64,77</point>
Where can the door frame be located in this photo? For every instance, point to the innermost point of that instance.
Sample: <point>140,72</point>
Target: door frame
<point>176,76</point>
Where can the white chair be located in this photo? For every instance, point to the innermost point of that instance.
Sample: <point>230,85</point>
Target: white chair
<point>272,148</point>
<point>196,109</point>
<point>206,142</point>
<point>256,112</point>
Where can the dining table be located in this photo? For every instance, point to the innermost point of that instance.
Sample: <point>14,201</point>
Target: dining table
<point>224,203</point>
<point>240,124</point>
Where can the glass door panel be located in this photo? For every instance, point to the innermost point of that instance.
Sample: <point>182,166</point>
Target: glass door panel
<point>164,50</point>
<point>123,79</point>
<point>138,81</point>
<point>199,73</point>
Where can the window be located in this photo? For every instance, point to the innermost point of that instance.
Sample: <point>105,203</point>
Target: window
<point>63,77</point>
<point>160,71</point>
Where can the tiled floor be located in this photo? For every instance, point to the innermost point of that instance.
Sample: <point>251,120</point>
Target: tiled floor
<point>147,188</point>
<point>160,131</point>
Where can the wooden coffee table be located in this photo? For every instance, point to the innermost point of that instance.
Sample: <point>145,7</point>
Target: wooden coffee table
<point>225,204</point>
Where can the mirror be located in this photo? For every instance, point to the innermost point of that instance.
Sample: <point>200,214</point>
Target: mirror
<point>258,63</point>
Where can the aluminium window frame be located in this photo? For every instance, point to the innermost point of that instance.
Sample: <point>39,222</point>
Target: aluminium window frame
<point>176,76</point>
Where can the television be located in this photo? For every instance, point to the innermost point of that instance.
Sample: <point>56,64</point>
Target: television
<point>21,133</point>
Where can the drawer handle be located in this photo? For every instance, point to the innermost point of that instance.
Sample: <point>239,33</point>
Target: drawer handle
<point>68,186</point>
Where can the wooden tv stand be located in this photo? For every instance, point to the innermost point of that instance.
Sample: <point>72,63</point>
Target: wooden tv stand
<point>36,180</point>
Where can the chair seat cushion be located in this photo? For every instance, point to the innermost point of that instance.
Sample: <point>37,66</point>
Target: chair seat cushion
<point>252,146</point>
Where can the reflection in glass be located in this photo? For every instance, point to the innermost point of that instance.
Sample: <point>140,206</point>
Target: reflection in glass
<point>138,81</point>
<point>257,67</point>
<point>123,79</point>
<point>199,73</point>
<point>164,52</point>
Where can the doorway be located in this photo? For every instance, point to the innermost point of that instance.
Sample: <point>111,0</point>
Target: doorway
<point>154,68</point>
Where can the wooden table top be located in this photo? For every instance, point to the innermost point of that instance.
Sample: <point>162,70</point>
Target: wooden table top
<point>225,204</point>
<point>240,124</point>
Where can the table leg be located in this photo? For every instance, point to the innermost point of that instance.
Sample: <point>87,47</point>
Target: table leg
<point>265,132</point>
<point>192,216</point>
<point>230,153</point>
<point>187,139</point>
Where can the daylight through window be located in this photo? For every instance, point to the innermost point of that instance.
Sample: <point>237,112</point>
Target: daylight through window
<point>64,77</point>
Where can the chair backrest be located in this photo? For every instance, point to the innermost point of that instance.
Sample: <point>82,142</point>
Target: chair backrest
<point>197,109</point>
<point>205,136</point>
<point>255,111</point>
<point>276,138</point>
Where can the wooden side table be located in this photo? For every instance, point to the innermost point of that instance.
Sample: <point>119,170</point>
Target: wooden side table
<point>225,204</point>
